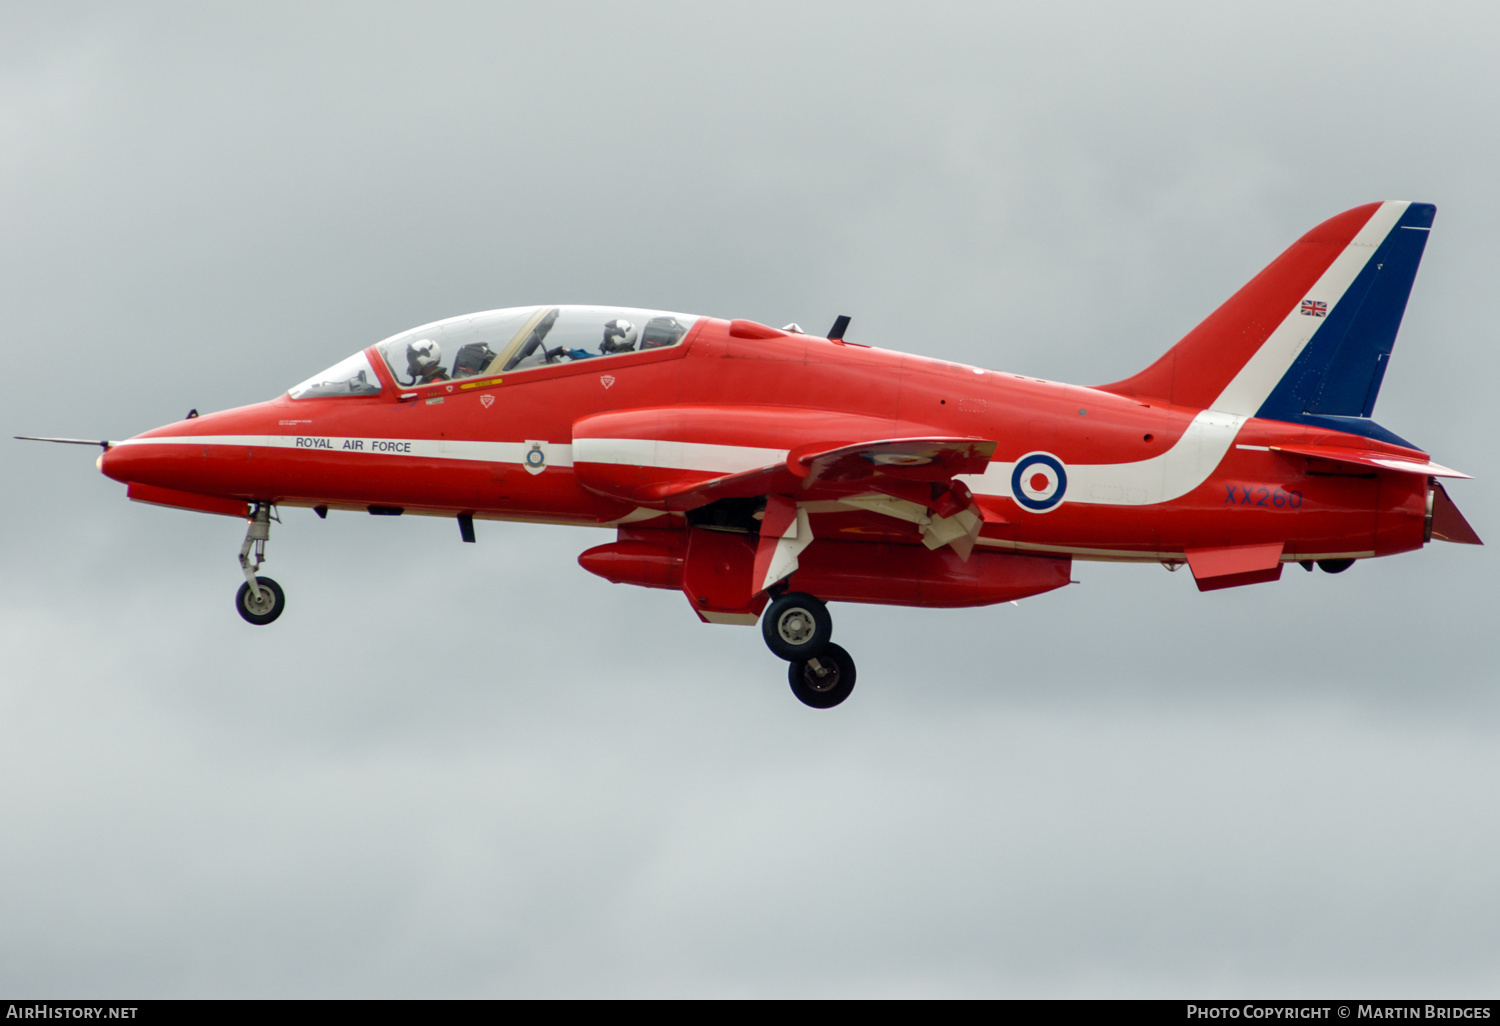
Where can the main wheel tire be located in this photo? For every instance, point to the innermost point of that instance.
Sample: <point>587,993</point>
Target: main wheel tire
<point>796,625</point>
<point>825,680</point>
<point>267,608</point>
<point>1334,566</point>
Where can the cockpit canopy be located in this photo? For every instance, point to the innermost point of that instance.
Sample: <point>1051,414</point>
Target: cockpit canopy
<point>501,342</point>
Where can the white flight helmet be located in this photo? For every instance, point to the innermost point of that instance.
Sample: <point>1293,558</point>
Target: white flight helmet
<point>422,357</point>
<point>619,336</point>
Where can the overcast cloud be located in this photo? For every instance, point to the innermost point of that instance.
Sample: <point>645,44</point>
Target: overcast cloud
<point>480,771</point>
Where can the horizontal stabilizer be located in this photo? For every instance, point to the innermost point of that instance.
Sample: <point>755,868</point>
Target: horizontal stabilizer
<point>1235,565</point>
<point>1448,524</point>
<point>1375,460</point>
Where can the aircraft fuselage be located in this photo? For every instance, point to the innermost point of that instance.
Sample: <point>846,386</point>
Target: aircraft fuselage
<point>446,449</point>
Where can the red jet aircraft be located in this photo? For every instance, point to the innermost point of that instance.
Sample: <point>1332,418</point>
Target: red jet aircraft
<point>765,471</point>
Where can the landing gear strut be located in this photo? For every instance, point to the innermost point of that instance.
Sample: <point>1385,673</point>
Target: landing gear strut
<point>260,599</point>
<point>797,628</point>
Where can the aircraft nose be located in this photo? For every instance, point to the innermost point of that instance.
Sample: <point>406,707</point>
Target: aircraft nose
<point>191,456</point>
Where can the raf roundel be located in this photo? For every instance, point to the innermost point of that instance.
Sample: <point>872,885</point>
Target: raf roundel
<point>535,459</point>
<point>1039,481</point>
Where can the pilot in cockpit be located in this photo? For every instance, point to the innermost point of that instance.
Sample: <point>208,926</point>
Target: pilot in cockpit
<point>424,362</point>
<point>619,337</point>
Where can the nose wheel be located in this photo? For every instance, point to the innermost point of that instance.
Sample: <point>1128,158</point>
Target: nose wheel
<point>260,599</point>
<point>260,609</point>
<point>797,628</point>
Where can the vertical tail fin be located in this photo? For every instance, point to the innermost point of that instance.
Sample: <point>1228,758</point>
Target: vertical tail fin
<point>1308,339</point>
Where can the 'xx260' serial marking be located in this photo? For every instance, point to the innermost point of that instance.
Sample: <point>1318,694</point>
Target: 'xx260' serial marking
<point>1240,496</point>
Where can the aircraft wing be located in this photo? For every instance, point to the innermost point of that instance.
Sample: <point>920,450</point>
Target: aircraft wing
<point>909,459</point>
<point>922,468</point>
<point>683,458</point>
<point>821,471</point>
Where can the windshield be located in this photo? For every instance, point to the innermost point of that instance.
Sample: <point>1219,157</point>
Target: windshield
<point>353,376</point>
<point>521,338</point>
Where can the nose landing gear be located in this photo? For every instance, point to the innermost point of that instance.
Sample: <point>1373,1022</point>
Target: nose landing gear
<point>260,609</point>
<point>260,599</point>
<point>797,628</point>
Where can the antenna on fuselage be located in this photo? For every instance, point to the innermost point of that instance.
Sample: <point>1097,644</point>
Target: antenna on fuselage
<point>840,325</point>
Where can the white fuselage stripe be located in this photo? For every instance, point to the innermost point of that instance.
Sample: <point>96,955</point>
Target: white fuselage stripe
<point>429,448</point>
<point>664,455</point>
<point>1160,479</point>
<point>1163,478</point>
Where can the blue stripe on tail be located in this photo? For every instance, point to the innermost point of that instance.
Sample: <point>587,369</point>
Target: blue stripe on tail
<point>1337,376</point>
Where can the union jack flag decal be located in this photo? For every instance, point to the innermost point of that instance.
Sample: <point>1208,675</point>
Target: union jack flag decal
<point>1313,308</point>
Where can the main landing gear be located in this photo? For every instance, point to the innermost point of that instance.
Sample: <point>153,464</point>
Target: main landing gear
<point>797,628</point>
<point>824,680</point>
<point>260,599</point>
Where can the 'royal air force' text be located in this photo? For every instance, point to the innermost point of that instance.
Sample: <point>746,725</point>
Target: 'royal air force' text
<point>356,445</point>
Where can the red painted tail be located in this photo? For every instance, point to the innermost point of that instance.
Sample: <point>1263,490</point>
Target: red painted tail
<point>1308,338</point>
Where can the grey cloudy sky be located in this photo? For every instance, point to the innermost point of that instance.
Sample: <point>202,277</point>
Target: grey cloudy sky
<point>477,770</point>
